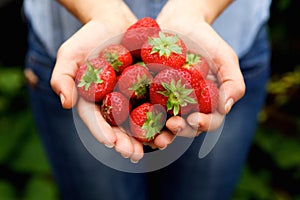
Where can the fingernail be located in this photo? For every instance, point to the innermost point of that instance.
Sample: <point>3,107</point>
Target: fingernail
<point>178,130</point>
<point>228,105</point>
<point>162,148</point>
<point>109,145</point>
<point>125,155</point>
<point>134,161</point>
<point>62,98</point>
<point>193,121</point>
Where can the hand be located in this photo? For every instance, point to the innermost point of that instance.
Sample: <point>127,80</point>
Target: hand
<point>70,56</point>
<point>192,19</point>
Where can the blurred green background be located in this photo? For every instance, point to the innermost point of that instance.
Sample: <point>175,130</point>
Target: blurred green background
<point>272,171</point>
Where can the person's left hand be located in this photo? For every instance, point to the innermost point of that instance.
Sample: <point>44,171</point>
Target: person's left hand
<point>193,19</point>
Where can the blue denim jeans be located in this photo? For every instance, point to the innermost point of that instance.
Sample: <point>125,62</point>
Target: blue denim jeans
<point>80,176</point>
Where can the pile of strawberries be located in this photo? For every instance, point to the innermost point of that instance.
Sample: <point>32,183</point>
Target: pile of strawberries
<point>147,78</point>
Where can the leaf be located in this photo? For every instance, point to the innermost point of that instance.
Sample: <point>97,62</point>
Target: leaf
<point>7,191</point>
<point>253,186</point>
<point>282,149</point>
<point>11,80</point>
<point>32,158</point>
<point>39,188</point>
<point>12,129</point>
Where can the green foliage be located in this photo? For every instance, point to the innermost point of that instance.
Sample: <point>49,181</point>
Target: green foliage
<point>39,188</point>
<point>24,169</point>
<point>281,87</point>
<point>282,5</point>
<point>11,80</point>
<point>283,149</point>
<point>7,191</point>
<point>253,185</point>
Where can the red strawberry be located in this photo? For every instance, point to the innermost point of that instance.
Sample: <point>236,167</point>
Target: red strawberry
<point>95,79</point>
<point>134,82</point>
<point>165,50</point>
<point>138,33</point>
<point>197,62</point>
<point>117,56</point>
<point>172,89</point>
<point>146,121</point>
<point>115,108</point>
<point>208,96</point>
<point>190,75</point>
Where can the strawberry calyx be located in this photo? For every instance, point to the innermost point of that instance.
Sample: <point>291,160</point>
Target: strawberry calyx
<point>192,58</point>
<point>152,125</point>
<point>164,45</point>
<point>177,94</point>
<point>113,60</point>
<point>90,76</point>
<point>140,87</point>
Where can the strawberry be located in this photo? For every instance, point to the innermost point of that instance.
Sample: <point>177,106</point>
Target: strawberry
<point>134,82</point>
<point>117,56</point>
<point>115,108</point>
<point>196,62</point>
<point>164,50</point>
<point>208,96</point>
<point>146,121</point>
<point>138,33</point>
<point>172,88</point>
<point>95,79</point>
<point>191,75</point>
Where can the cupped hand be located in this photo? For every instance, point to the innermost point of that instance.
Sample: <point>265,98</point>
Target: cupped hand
<point>70,56</point>
<point>193,19</point>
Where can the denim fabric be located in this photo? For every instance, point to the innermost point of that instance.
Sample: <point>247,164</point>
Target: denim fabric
<point>80,176</point>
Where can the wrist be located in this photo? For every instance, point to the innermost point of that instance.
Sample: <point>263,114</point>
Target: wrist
<point>204,10</point>
<point>99,10</point>
<point>211,9</point>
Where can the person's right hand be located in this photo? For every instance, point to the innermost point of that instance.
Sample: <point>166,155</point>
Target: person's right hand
<point>72,54</point>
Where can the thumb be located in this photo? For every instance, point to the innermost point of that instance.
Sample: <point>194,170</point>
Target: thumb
<point>230,92</point>
<point>63,84</point>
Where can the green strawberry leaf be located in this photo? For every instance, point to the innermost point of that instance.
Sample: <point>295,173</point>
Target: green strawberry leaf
<point>164,45</point>
<point>113,60</point>
<point>152,124</point>
<point>91,76</point>
<point>177,94</point>
<point>140,87</point>
<point>192,58</point>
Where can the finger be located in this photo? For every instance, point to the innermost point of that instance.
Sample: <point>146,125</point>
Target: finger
<point>177,125</point>
<point>100,129</point>
<point>224,64</point>
<point>164,139</point>
<point>123,143</point>
<point>64,85</point>
<point>138,151</point>
<point>205,122</point>
<point>230,92</point>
